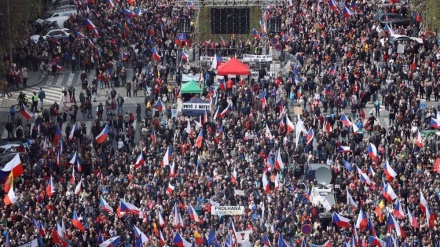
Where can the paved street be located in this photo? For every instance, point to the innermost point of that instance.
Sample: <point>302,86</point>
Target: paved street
<point>53,87</point>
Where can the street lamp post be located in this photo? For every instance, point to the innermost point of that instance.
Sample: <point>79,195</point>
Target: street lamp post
<point>9,31</point>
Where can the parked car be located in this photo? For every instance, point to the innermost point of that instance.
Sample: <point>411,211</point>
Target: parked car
<point>62,8</point>
<point>56,22</point>
<point>394,19</point>
<point>56,14</point>
<point>57,33</point>
<point>392,39</point>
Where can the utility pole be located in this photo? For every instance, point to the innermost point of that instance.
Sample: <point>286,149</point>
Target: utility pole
<point>9,31</point>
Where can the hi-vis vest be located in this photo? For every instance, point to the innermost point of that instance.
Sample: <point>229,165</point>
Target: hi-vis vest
<point>35,98</point>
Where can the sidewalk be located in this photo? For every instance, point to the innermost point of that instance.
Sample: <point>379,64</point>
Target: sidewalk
<point>34,78</point>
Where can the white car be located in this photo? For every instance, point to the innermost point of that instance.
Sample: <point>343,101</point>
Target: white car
<point>397,37</point>
<point>57,33</point>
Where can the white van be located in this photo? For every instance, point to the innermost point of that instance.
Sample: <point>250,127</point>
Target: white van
<point>59,20</point>
<point>67,13</point>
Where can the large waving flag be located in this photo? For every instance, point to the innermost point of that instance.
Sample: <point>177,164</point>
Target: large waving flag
<point>72,132</point>
<point>388,193</point>
<point>111,242</point>
<point>15,166</point>
<point>199,140</point>
<point>216,61</point>
<point>89,25</point>
<point>345,121</point>
<point>279,165</point>
<point>364,177</point>
<point>139,161</point>
<point>372,151</point>
<point>392,223</point>
<point>362,221</point>
<point>139,234</point>
<point>76,222</point>
<point>266,240</point>
<point>398,210</point>
<point>374,241</point>
<point>50,189</point>
<point>179,241</point>
<point>351,201</point>
<point>346,12</point>
<point>104,205</point>
<point>389,171</point>
<point>10,198</point>
<point>156,55</point>
<point>310,136</point>
<point>265,182</point>
<point>289,124</point>
<point>282,242</point>
<point>333,5</point>
<point>78,188</point>
<point>126,207</point>
<point>340,221</point>
<point>102,137</point>
<point>193,214</point>
<point>412,219</point>
<point>167,157</point>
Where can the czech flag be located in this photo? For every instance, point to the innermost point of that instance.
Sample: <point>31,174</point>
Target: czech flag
<point>344,149</point>
<point>78,189</point>
<point>73,159</point>
<point>255,33</point>
<point>234,177</point>
<point>423,203</point>
<point>10,198</point>
<point>167,157</point>
<point>159,105</point>
<point>388,193</point>
<point>179,241</point>
<point>332,70</point>
<point>199,140</point>
<point>430,218</point>
<point>72,132</point>
<point>351,201</point>
<point>185,39</point>
<point>140,161</point>
<point>372,151</point>
<point>193,214</point>
<point>126,207</point>
<point>40,227</point>
<point>266,186</point>
<point>434,123</point>
<point>184,56</point>
<point>88,24</point>
<point>354,7</point>
<point>418,140</point>
<point>263,100</point>
<point>153,136</point>
<point>205,117</point>
<point>290,125</point>
<point>394,224</point>
<point>155,54</point>
<point>362,221</point>
<point>364,177</point>
<point>398,210</point>
<point>161,238</point>
<point>389,171</point>
<point>345,121</point>
<point>139,234</point>
<point>226,110</point>
<point>102,137</point>
<point>170,189</point>
<point>279,165</point>
<point>340,221</point>
<point>412,219</point>
<point>347,12</point>
<point>76,223</point>
<point>265,240</point>
<point>111,242</point>
<point>26,114</point>
<point>333,5</point>
<point>371,227</point>
<point>172,171</point>
<point>310,135</point>
<point>111,3</point>
<point>104,205</point>
<point>57,136</point>
<point>128,13</point>
<point>161,221</point>
<point>15,166</point>
<point>374,241</point>
<point>50,190</point>
<point>216,61</point>
<point>222,85</point>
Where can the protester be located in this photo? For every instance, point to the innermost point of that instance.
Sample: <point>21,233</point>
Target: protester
<point>108,184</point>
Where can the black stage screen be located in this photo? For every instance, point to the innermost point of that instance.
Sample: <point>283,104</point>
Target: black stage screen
<point>230,20</point>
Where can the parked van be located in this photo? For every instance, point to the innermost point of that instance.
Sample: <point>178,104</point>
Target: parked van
<point>56,22</point>
<point>46,16</point>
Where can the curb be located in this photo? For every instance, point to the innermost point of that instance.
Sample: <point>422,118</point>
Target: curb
<point>5,102</point>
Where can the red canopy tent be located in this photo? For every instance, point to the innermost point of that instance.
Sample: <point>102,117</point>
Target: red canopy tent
<point>233,67</point>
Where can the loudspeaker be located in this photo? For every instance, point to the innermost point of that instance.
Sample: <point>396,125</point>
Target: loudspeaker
<point>325,219</point>
<point>184,25</point>
<point>275,25</point>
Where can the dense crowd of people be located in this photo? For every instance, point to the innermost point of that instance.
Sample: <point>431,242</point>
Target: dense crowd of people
<point>148,192</point>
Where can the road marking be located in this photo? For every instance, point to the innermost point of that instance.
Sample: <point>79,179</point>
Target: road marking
<point>59,80</point>
<point>70,79</point>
